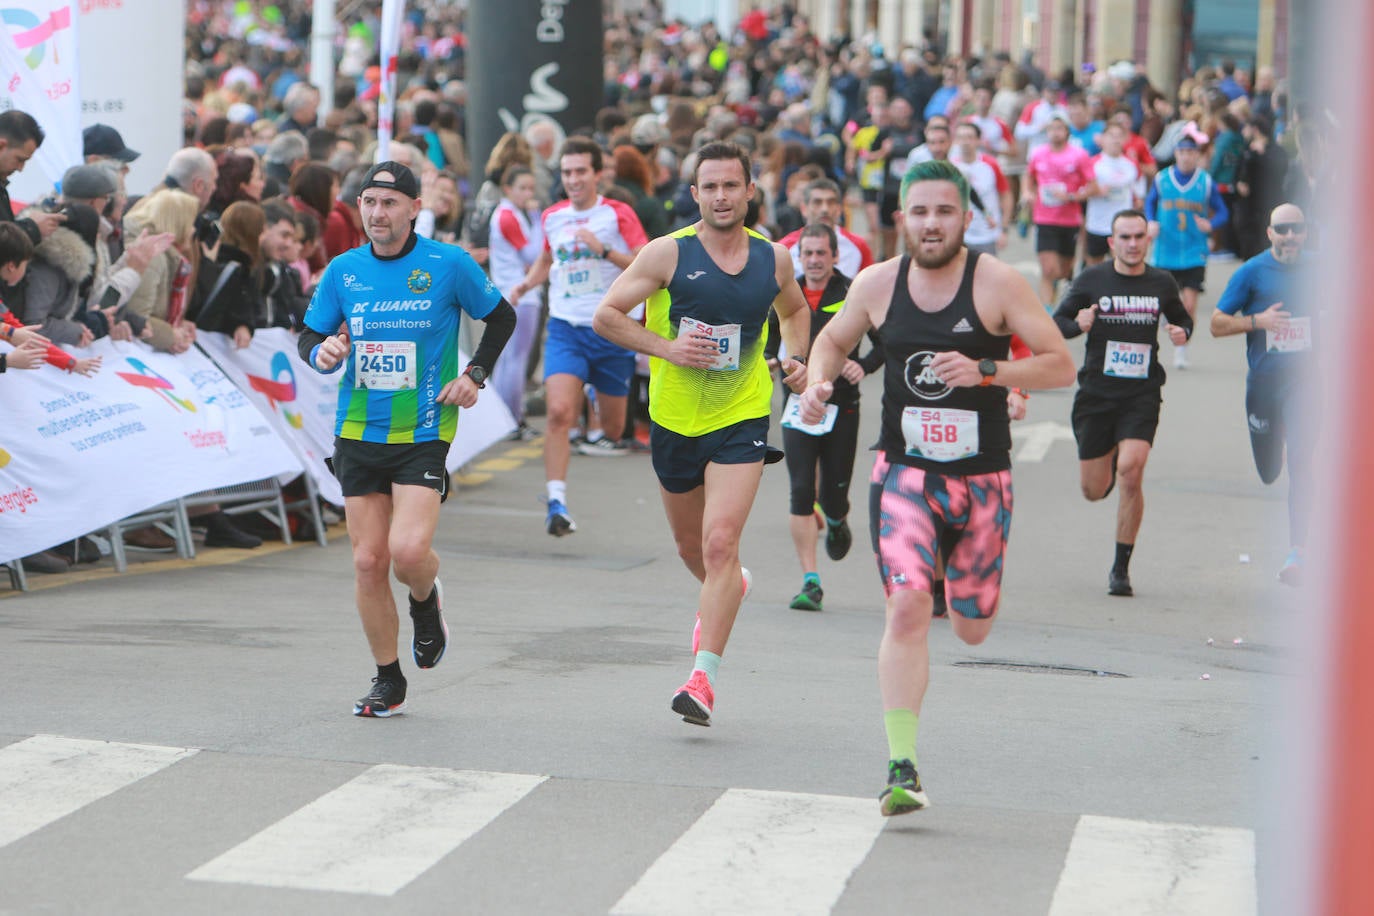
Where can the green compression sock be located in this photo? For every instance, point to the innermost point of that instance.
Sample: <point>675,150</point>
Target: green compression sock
<point>901,734</point>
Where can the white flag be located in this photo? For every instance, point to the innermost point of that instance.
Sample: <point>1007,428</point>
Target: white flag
<point>393,16</point>
<point>38,67</point>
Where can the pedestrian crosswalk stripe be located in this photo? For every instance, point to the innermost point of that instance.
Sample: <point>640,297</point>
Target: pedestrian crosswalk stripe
<point>752,851</point>
<point>374,834</point>
<point>1126,866</point>
<point>46,777</point>
<point>759,852</point>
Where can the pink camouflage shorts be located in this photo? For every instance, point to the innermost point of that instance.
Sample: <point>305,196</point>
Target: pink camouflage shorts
<point>913,512</point>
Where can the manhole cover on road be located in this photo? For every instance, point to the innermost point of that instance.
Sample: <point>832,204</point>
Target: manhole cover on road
<point>1037,668</point>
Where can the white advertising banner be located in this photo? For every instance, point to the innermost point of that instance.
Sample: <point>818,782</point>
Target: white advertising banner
<point>480,427</point>
<point>128,74</point>
<point>306,401</point>
<point>79,453</point>
<point>39,70</point>
<point>297,400</point>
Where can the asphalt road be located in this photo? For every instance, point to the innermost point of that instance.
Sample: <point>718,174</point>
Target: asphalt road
<point>179,738</point>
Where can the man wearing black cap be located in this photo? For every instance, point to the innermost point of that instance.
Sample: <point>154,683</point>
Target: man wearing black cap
<point>101,141</point>
<point>1184,206</point>
<point>388,315</point>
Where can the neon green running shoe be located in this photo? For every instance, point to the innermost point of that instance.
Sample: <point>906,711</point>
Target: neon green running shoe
<point>809,598</point>
<point>903,794</point>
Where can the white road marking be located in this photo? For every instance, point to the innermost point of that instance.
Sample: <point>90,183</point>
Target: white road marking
<point>374,834</point>
<point>1126,866</point>
<point>1036,439</point>
<point>759,853</point>
<point>46,777</point>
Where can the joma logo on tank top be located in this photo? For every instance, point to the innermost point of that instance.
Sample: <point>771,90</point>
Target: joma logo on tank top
<point>922,382</point>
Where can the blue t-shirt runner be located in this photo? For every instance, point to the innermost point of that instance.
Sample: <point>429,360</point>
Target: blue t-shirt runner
<point>402,316</point>
<point>388,314</point>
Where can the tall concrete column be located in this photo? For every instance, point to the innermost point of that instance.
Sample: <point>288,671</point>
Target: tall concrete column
<point>890,26</point>
<point>1264,43</point>
<point>954,28</point>
<point>1115,31</point>
<point>322,67</point>
<point>858,18</point>
<point>824,18</point>
<point>1165,44</point>
<point>914,19</point>
<point>985,27</point>
<point>1065,25</point>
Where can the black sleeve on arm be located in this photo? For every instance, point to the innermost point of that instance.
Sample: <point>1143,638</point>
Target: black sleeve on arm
<point>774,342</point>
<point>1066,316</point>
<point>500,325</point>
<point>308,340</point>
<point>873,360</point>
<point>1176,313</point>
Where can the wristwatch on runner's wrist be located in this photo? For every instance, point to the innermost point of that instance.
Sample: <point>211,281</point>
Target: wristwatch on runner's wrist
<point>988,368</point>
<point>477,374</point>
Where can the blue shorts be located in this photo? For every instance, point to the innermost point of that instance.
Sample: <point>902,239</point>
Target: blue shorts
<point>680,461</point>
<point>571,349</point>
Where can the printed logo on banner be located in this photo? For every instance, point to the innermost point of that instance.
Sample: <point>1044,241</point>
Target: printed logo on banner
<point>147,377</point>
<point>31,34</point>
<point>18,499</point>
<point>277,391</point>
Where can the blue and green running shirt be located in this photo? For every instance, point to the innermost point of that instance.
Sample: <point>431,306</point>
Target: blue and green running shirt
<point>402,316</point>
<point>694,402</point>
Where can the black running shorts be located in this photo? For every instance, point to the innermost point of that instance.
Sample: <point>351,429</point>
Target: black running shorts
<point>1062,240</point>
<point>1191,278</point>
<point>1100,423</point>
<point>680,461</point>
<point>372,467</point>
<point>1096,246</point>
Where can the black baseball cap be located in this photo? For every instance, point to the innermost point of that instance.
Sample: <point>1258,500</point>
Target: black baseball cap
<point>104,140</point>
<point>402,179</point>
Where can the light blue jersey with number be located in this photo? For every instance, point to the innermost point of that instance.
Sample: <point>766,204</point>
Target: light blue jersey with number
<point>402,315</point>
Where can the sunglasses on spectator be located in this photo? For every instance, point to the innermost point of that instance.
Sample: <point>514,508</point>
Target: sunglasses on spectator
<point>1289,228</point>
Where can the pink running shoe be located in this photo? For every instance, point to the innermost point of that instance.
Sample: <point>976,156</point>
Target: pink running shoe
<point>748,579</point>
<point>694,699</point>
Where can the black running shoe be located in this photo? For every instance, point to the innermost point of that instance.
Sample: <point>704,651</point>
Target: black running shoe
<point>903,794</point>
<point>937,594</point>
<point>431,632</point>
<point>1119,583</point>
<point>388,698</point>
<point>838,540</point>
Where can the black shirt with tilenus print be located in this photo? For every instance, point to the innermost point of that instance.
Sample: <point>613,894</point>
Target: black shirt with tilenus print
<point>1122,356</point>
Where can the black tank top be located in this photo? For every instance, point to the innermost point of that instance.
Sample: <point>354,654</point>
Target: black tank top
<point>911,339</point>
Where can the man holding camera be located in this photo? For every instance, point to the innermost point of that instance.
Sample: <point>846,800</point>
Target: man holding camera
<point>20,137</point>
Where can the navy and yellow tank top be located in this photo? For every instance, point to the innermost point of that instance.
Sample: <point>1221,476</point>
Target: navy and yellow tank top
<point>694,402</point>
<point>911,338</point>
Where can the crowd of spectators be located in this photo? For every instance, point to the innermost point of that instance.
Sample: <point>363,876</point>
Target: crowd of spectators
<point>264,192</point>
